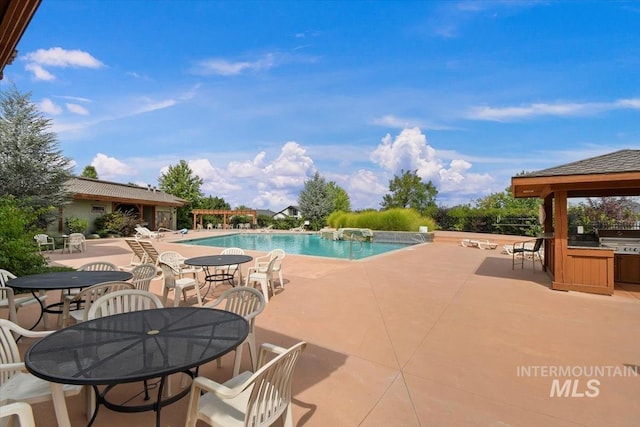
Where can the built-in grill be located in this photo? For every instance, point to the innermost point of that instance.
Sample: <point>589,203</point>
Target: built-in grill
<point>622,241</point>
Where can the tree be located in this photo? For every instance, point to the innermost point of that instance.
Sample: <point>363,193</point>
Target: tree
<point>90,172</point>
<point>315,201</point>
<point>505,201</point>
<point>32,167</point>
<point>340,197</point>
<point>408,191</point>
<point>181,182</point>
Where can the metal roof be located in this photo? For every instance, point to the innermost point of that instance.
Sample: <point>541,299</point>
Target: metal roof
<point>87,188</point>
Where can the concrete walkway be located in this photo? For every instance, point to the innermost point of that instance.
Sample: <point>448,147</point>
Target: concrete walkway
<point>432,335</point>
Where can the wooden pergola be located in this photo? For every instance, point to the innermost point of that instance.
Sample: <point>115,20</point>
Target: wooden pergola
<point>226,213</point>
<point>586,269</point>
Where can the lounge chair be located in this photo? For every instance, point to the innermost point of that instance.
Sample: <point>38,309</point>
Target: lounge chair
<point>485,244</point>
<point>469,243</point>
<point>145,233</point>
<point>139,256</point>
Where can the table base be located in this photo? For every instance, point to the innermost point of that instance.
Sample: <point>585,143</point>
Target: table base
<point>101,398</point>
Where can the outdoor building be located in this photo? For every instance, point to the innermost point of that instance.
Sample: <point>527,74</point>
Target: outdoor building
<point>611,257</point>
<point>288,212</point>
<point>93,198</point>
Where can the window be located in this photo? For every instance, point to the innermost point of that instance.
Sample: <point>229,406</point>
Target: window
<point>98,209</point>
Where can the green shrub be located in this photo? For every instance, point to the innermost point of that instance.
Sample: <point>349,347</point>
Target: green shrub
<point>18,251</point>
<point>116,223</point>
<point>76,225</point>
<point>388,220</point>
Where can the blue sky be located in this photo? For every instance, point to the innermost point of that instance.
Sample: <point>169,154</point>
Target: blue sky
<point>257,96</point>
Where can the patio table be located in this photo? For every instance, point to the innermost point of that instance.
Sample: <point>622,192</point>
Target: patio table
<point>133,347</point>
<point>209,261</point>
<point>63,280</point>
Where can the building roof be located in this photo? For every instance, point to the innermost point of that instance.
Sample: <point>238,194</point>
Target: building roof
<point>613,174</point>
<point>94,189</point>
<point>265,212</point>
<point>15,16</point>
<point>616,162</point>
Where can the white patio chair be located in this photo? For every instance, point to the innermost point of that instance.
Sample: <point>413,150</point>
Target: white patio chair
<point>22,410</point>
<point>123,301</point>
<point>90,266</point>
<point>178,285</point>
<point>16,384</point>
<point>257,399</point>
<point>143,274</point>
<point>263,276</point>
<point>226,269</point>
<point>75,241</point>
<point>263,261</point>
<point>45,241</point>
<point>13,303</point>
<point>85,298</point>
<point>176,261</point>
<point>248,303</point>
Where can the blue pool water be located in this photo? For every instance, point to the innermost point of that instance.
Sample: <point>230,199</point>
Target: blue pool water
<point>302,244</point>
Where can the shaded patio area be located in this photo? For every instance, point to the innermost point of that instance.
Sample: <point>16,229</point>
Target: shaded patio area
<point>433,335</point>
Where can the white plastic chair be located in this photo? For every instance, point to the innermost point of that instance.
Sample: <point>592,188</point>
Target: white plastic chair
<point>179,285</point>
<point>248,303</point>
<point>256,400</point>
<point>90,266</point>
<point>263,276</point>
<point>12,303</point>
<point>176,261</point>
<point>143,274</point>
<point>18,385</point>
<point>20,409</point>
<point>85,298</point>
<point>225,269</point>
<point>124,301</point>
<point>76,241</point>
<point>45,241</point>
<point>263,261</point>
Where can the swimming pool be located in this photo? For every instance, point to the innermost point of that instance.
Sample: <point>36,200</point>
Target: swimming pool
<point>302,244</point>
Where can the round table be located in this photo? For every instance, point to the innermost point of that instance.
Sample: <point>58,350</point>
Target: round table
<point>209,261</point>
<point>63,280</point>
<point>136,346</point>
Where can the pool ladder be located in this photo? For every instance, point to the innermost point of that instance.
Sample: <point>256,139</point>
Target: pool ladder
<point>357,239</point>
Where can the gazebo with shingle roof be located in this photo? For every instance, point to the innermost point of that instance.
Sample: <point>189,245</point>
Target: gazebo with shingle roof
<point>573,267</point>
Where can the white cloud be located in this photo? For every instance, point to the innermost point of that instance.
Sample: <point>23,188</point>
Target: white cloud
<point>47,106</point>
<point>39,73</point>
<point>109,167</point>
<point>57,57</point>
<point>408,151</point>
<point>291,168</point>
<point>391,121</point>
<point>250,168</point>
<point>500,114</point>
<point>224,67</point>
<point>77,109</point>
<point>150,106</point>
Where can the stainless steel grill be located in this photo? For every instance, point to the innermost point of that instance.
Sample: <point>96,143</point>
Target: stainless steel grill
<point>622,241</point>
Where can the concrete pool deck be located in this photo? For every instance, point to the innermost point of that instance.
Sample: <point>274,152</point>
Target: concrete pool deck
<point>432,335</point>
